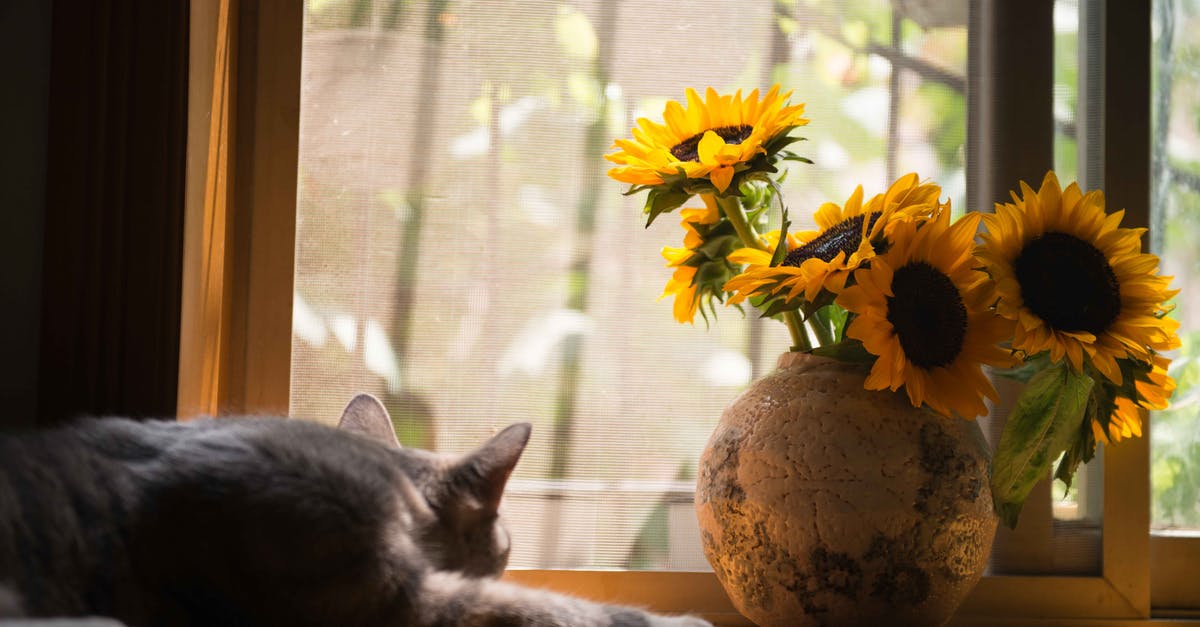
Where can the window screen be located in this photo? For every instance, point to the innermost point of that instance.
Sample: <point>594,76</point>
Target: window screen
<point>1175,433</point>
<point>462,254</point>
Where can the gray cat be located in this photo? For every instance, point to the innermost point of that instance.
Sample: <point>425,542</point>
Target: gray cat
<point>267,522</point>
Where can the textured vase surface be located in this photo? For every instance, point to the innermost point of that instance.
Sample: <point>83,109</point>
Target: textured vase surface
<point>821,503</point>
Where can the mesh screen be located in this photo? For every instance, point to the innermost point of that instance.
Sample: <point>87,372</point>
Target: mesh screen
<point>1175,227</point>
<point>462,254</point>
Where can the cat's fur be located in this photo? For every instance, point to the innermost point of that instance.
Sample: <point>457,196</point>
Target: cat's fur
<point>267,522</point>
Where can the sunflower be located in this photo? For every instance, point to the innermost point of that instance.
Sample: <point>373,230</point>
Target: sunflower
<point>682,286</point>
<point>1155,391</point>
<point>1074,282</point>
<point>1152,389</point>
<point>699,265</point>
<point>1124,422</point>
<point>846,237</point>
<point>921,308</point>
<point>711,139</point>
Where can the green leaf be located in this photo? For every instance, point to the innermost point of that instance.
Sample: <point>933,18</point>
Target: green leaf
<point>791,156</point>
<point>1104,396</point>
<point>1083,446</point>
<point>1025,371</point>
<point>782,140</point>
<point>1133,370</point>
<point>678,177</point>
<point>781,248</point>
<point>780,304</point>
<point>824,299</point>
<point>718,247</point>
<point>711,273</point>
<point>660,201</point>
<point>851,351</point>
<point>1044,422</point>
<point>832,317</point>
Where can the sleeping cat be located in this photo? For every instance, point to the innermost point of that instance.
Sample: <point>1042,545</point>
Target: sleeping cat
<point>261,521</point>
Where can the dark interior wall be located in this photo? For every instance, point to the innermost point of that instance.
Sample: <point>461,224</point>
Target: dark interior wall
<point>25,27</point>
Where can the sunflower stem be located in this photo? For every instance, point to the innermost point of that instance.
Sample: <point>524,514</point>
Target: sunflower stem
<point>823,330</point>
<point>732,207</point>
<point>798,330</point>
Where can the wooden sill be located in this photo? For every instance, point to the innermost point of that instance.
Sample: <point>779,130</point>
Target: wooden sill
<point>997,602</point>
<point>695,593</point>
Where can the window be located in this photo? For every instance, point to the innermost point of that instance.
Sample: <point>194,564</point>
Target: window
<point>1175,472</point>
<point>460,253</point>
<point>1175,433</point>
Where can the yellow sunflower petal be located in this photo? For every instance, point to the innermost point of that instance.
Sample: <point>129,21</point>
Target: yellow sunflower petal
<point>721,177</point>
<point>1106,311</point>
<point>752,256</point>
<point>741,123</point>
<point>944,371</point>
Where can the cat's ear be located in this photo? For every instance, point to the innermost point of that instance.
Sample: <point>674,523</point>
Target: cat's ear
<point>366,415</point>
<point>486,470</point>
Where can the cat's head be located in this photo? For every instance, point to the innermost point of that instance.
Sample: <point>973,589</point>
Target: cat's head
<point>462,492</point>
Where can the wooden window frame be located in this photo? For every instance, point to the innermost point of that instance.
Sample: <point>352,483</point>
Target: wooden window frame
<point>235,353</point>
<point>240,223</point>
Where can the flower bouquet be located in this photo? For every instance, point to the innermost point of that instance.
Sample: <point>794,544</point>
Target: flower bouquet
<point>1049,289</point>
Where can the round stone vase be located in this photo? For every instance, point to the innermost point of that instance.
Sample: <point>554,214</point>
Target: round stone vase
<point>822,503</point>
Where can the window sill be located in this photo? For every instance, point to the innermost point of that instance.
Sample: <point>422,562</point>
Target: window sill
<point>996,602</point>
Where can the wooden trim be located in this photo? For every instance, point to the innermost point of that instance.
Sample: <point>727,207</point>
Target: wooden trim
<point>270,36</point>
<point>699,594</point>
<point>1047,597</point>
<point>200,338</point>
<point>985,621</point>
<point>1126,137</point>
<point>1010,123</point>
<point>1033,600</point>
<point>241,221</point>
<point>1174,571</point>
<point>1011,139</point>
<point>1126,523</point>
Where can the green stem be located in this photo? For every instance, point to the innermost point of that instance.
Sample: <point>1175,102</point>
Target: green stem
<point>731,206</point>
<point>796,327</point>
<point>822,327</point>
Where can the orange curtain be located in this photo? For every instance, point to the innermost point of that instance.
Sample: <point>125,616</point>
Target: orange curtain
<point>114,209</point>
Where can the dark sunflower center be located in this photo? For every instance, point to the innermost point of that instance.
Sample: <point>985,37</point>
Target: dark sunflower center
<point>1068,283</point>
<point>845,236</point>
<point>688,149</point>
<point>927,314</point>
